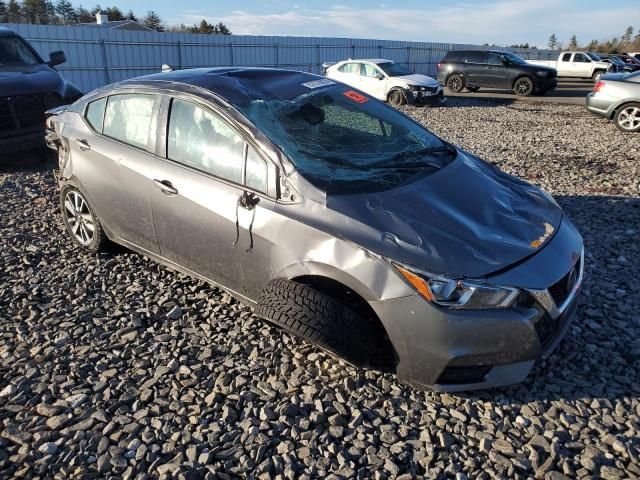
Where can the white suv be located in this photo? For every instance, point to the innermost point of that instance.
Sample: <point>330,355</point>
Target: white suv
<point>386,80</point>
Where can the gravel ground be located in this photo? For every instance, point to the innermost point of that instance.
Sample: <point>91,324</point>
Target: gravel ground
<point>114,366</point>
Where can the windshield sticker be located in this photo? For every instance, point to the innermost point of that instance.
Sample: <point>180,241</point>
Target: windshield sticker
<point>318,83</point>
<point>355,96</point>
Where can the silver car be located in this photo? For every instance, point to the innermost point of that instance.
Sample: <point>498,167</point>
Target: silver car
<point>337,217</point>
<point>617,97</point>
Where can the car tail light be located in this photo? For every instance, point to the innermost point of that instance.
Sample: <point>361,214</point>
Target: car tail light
<point>598,86</point>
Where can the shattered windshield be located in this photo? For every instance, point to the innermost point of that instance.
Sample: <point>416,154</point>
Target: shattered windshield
<point>345,142</point>
<point>394,69</point>
<point>14,52</point>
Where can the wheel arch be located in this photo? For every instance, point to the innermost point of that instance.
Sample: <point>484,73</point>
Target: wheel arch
<point>520,76</point>
<point>621,104</point>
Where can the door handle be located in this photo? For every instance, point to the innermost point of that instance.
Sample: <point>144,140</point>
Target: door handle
<point>166,187</point>
<point>83,144</point>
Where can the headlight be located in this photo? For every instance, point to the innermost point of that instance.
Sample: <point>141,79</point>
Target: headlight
<point>459,294</point>
<point>417,88</point>
<point>542,73</point>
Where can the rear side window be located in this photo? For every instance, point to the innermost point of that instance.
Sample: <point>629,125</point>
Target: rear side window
<point>476,57</point>
<point>350,68</point>
<point>202,140</point>
<point>128,118</point>
<point>95,114</point>
<point>454,57</point>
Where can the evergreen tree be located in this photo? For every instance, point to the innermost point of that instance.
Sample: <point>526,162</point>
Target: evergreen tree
<point>221,29</point>
<point>628,34</point>
<point>83,15</point>
<point>152,20</point>
<point>3,12</point>
<point>65,11</point>
<point>553,41</point>
<point>14,12</point>
<point>573,43</point>
<point>131,16</point>
<point>35,11</point>
<point>115,13</point>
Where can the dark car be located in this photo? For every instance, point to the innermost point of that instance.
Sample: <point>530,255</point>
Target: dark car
<point>339,218</point>
<point>618,64</point>
<point>474,69</point>
<point>631,63</point>
<point>28,87</point>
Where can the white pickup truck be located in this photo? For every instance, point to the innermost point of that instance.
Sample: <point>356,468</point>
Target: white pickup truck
<point>577,65</point>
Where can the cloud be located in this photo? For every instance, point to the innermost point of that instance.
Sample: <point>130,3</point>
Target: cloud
<point>500,22</point>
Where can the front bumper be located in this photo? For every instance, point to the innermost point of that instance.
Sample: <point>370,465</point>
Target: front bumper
<point>23,140</point>
<point>427,97</point>
<point>456,350</point>
<point>545,84</point>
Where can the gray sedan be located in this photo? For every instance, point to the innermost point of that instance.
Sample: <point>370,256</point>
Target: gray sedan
<point>337,217</point>
<point>617,97</point>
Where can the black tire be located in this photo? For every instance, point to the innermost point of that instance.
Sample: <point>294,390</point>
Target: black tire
<point>327,323</point>
<point>597,74</point>
<point>396,98</point>
<point>523,87</point>
<point>455,83</point>
<point>473,89</point>
<point>627,117</point>
<point>98,240</point>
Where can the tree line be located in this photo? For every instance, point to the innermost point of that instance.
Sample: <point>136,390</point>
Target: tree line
<point>627,42</point>
<point>62,12</point>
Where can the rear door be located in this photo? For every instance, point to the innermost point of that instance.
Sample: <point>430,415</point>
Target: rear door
<point>212,199</point>
<point>565,65</point>
<point>113,164</point>
<point>475,68</point>
<point>349,73</point>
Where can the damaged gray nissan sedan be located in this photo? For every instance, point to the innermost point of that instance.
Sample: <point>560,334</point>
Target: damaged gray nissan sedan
<point>337,217</point>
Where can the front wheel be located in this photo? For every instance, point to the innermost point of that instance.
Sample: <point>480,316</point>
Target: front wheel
<point>80,220</point>
<point>627,117</point>
<point>396,98</point>
<point>597,75</point>
<point>523,87</point>
<point>455,83</point>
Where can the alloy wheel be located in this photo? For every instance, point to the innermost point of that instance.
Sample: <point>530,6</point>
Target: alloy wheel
<point>629,118</point>
<point>454,84</point>
<point>523,87</point>
<point>79,217</point>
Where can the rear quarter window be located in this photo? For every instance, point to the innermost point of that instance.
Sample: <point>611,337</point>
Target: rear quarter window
<point>95,114</point>
<point>453,57</point>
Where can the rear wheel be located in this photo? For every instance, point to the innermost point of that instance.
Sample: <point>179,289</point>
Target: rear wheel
<point>523,87</point>
<point>627,117</point>
<point>326,322</point>
<point>396,98</point>
<point>455,83</point>
<point>80,220</point>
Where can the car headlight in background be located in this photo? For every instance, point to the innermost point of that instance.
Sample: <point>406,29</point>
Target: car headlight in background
<point>542,73</point>
<point>459,294</point>
<point>418,88</point>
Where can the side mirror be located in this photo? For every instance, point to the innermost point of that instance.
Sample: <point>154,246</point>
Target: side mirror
<point>56,58</point>
<point>379,76</point>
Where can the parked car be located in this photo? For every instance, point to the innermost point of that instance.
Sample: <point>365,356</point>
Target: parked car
<point>635,55</point>
<point>28,87</point>
<point>341,219</point>
<point>475,69</point>
<point>618,64</point>
<point>387,81</point>
<point>631,63</point>
<point>577,65</point>
<point>617,97</point>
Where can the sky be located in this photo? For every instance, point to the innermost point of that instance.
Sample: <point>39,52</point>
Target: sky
<point>502,22</point>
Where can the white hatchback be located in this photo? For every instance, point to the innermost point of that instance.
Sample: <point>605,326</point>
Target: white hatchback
<point>386,80</point>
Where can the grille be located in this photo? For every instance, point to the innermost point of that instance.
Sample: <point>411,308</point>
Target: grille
<point>454,375</point>
<point>22,112</point>
<point>562,288</point>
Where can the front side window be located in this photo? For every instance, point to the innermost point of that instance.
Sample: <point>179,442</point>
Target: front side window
<point>368,70</point>
<point>201,139</point>
<point>495,59</point>
<point>128,118</point>
<point>344,142</point>
<point>14,52</point>
<point>581,58</point>
<point>515,59</point>
<point>95,113</point>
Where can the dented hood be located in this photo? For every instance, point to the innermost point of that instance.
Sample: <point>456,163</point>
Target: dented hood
<point>29,79</point>
<point>467,220</point>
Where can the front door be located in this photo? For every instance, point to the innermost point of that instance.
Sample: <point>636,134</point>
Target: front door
<point>110,154</point>
<point>372,81</point>
<point>205,209</point>
<point>495,73</point>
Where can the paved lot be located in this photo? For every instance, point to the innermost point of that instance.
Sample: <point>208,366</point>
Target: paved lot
<point>112,366</point>
<point>569,92</point>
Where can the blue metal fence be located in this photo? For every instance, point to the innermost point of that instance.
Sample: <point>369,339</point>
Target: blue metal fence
<point>97,56</point>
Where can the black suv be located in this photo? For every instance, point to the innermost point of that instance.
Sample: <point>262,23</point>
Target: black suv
<point>28,87</point>
<point>495,69</point>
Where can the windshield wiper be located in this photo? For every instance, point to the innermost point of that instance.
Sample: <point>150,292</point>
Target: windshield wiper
<point>343,162</point>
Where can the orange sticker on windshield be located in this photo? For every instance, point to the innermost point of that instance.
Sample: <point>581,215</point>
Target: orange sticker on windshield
<point>355,96</point>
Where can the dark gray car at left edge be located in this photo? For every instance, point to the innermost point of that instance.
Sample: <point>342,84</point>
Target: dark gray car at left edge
<point>339,218</point>
<point>28,87</point>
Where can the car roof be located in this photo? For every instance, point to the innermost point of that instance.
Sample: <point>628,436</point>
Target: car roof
<point>5,32</point>
<point>370,60</point>
<point>236,85</point>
